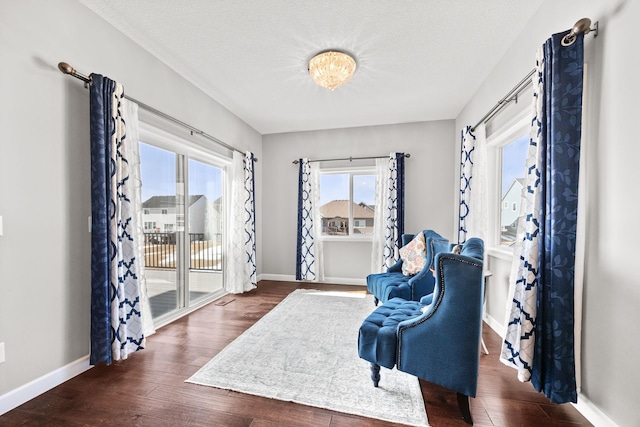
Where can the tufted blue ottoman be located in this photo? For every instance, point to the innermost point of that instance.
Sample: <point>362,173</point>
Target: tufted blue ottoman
<point>377,342</point>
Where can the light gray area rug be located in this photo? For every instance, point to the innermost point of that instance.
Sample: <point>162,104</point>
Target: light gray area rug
<point>305,350</point>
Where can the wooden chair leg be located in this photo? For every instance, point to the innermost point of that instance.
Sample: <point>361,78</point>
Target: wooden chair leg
<point>375,374</point>
<point>463,404</point>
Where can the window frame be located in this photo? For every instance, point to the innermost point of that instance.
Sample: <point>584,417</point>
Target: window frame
<point>501,137</point>
<point>351,171</point>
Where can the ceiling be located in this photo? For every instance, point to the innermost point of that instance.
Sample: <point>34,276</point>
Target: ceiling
<point>418,60</point>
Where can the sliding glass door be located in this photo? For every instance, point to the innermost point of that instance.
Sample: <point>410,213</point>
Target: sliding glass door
<point>183,218</point>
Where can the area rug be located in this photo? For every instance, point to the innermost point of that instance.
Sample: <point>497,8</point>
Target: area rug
<point>305,350</point>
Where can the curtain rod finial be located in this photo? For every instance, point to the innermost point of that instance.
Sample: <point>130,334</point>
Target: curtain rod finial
<point>65,68</point>
<point>582,26</point>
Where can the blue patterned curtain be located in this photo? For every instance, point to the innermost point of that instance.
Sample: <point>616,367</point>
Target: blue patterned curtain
<point>309,256</point>
<point>394,206</point>
<point>116,321</point>
<point>241,267</point>
<point>540,333</point>
<point>467,147</point>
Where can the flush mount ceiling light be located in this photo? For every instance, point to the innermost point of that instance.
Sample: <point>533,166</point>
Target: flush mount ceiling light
<point>331,69</point>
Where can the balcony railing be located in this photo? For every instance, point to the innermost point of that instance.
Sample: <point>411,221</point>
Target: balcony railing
<point>204,254</point>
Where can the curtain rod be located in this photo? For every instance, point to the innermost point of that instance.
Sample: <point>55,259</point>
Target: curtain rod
<point>581,26</point>
<point>295,162</point>
<point>68,69</point>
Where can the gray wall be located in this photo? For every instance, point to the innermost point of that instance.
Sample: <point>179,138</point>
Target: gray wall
<point>429,184</point>
<point>610,376</point>
<point>44,170</point>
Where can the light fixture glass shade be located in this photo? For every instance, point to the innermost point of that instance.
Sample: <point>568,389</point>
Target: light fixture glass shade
<point>331,69</point>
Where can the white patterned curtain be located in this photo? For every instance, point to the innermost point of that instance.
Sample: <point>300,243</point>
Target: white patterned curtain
<point>241,265</point>
<point>309,252</point>
<point>116,319</point>
<point>520,318</point>
<point>131,113</point>
<point>477,221</point>
<point>389,214</point>
<point>379,263</point>
<point>472,211</point>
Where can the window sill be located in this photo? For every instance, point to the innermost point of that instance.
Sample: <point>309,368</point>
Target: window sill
<point>500,253</point>
<point>347,239</point>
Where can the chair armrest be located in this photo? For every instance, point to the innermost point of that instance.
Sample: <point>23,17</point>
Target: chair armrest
<point>422,283</point>
<point>427,299</point>
<point>395,268</point>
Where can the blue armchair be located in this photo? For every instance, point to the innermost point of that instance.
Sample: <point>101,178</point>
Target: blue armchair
<point>437,339</point>
<point>393,284</point>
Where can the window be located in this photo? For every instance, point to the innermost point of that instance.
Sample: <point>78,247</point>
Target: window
<point>514,156</point>
<point>507,149</point>
<point>359,223</point>
<point>149,226</point>
<point>347,199</point>
<point>145,212</point>
<point>164,211</point>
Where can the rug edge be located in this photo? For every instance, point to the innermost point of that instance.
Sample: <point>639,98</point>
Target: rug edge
<point>395,421</point>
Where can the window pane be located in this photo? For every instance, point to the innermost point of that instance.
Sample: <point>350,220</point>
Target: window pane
<point>334,204</point>
<point>206,210</point>
<point>514,156</point>
<point>158,174</point>
<point>364,197</point>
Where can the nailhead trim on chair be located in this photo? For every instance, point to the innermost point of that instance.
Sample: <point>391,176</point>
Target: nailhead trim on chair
<point>442,258</point>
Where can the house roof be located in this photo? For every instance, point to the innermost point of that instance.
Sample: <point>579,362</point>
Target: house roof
<point>515,181</point>
<point>340,209</point>
<point>167,201</point>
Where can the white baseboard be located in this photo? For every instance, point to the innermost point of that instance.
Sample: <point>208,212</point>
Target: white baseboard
<point>23,394</point>
<point>495,325</point>
<point>592,413</point>
<point>328,280</point>
<point>277,277</point>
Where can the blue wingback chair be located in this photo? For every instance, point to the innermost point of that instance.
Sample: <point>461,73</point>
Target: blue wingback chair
<point>393,284</point>
<point>437,339</point>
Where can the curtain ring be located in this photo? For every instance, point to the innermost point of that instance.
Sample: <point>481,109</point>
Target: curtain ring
<point>582,26</point>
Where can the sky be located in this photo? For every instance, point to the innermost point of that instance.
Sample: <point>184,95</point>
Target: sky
<point>158,174</point>
<point>336,187</point>
<point>514,158</point>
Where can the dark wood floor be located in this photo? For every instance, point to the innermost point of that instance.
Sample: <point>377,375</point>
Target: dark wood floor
<point>148,389</point>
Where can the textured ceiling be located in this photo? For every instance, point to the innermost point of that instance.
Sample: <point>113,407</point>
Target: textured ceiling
<point>417,59</point>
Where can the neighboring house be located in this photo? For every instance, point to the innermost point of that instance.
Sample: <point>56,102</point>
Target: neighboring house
<point>510,210</point>
<point>159,214</point>
<point>335,218</point>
